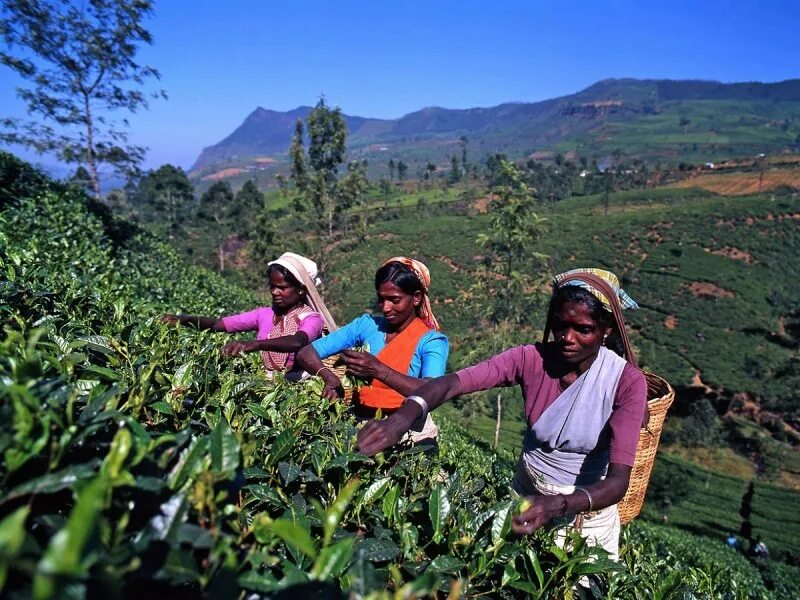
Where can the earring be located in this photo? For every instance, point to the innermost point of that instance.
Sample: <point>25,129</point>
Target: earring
<point>605,337</point>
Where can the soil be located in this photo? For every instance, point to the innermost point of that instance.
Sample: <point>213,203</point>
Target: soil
<point>704,289</point>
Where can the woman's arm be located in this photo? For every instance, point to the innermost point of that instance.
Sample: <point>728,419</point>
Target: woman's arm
<point>367,366</point>
<point>501,370</point>
<point>432,351</point>
<point>376,436</point>
<point>285,343</point>
<point>206,323</point>
<point>309,360</point>
<point>604,493</point>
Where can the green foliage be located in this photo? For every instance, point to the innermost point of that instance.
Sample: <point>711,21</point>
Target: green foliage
<point>136,461</point>
<point>165,195</point>
<point>216,210</point>
<point>512,238</point>
<point>314,172</point>
<point>150,464</point>
<point>81,65</point>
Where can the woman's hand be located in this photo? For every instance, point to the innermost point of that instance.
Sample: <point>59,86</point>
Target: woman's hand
<point>234,348</point>
<point>364,365</point>
<point>541,510</point>
<point>333,389</point>
<point>376,436</point>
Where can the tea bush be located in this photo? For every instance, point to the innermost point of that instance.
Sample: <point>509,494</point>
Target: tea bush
<point>136,461</point>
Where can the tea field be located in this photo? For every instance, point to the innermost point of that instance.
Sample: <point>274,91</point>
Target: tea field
<point>137,462</point>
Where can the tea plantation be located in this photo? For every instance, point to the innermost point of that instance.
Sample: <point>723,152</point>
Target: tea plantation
<point>137,462</point>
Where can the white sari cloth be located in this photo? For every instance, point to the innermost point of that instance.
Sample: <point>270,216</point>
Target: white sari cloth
<point>568,447</point>
<point>600,528</point>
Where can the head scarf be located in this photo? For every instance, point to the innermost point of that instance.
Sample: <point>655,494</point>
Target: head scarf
<point>424,275</point>
<point>600,284</point>
<point>297,265</point>
<point>625,301</point>
<point>305,271</point>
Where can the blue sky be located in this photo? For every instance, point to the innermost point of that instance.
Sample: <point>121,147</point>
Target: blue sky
<point>220,60</point>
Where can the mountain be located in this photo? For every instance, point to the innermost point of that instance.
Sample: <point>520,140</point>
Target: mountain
<point>653,119</point>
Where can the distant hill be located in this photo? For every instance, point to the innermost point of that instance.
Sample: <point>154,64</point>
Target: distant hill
<point>653,119</point>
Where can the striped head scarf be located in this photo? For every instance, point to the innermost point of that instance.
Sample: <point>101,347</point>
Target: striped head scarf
<point>424,275</point>
<point>612,280</point>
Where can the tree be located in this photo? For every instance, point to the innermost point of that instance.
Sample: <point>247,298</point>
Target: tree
<point>464,140</point>
<point>505,278</point>
<point>216,209</point>
<point>81,178</point>
<point>165,195</point>
<point>455,170</point>
<point>402,170</point>
<point>351,191</point>
<point>249,199</point>
<point>314,172</point>
<point>299,170</point>
<point>80,61</point>
<point>391,168</point>
<point>265,244</point>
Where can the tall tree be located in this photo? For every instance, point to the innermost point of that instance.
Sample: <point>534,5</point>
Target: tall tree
<point>165,196</point>
<point>464,140</point>
<point>506,275</point>
<point>455,170</point>
<point>80,62</point>
<point>249,198</point>
<point>351,190</point>
<point>391,168</point>
<point>314,172</point>
<point>402,170</point>
<point>299,169</point>
<point>216,209</point>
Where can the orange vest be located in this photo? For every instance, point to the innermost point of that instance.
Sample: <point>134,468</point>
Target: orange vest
<point>397,355</point>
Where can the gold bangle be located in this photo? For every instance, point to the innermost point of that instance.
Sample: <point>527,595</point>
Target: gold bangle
<point>321,369</point>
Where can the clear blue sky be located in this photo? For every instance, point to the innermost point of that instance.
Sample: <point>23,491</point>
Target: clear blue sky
<point>220,60</point>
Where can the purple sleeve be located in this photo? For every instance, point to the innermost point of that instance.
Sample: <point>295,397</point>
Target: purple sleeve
<point>246,321</point>
<point>626,417</point>
<point>502,370</point>
<point>311,326</point>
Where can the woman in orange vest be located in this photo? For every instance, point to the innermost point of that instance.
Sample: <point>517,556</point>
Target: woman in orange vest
<point>404,345</point>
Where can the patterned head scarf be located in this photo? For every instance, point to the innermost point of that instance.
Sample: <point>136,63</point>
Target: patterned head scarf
<point>424,275</point>
<point>625,301</point>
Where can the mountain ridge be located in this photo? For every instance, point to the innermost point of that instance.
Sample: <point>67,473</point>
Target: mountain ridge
<point>520,128</point>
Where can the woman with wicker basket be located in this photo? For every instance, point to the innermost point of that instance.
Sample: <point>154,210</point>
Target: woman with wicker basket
<point>403,347</point>
<point>584,404</point>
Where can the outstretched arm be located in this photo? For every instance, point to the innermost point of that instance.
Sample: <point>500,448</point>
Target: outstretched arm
<point>604,493</point>
<point>285,343</point>
<point>367,366</point>
<point>308,359</point>
<point>376,436</point>
<point>207,323</point>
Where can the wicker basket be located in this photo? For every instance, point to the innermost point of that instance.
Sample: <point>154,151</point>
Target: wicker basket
<point>659,398</point>
<point>337,366</point>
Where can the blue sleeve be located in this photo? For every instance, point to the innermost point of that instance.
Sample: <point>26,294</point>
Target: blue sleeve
<point>349,336</point>
<point>434,348</point>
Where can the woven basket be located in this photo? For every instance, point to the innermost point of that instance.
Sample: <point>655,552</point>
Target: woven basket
<point>337,366</point>
<point>659,398</point>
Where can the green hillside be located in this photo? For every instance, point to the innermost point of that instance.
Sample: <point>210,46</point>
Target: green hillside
<point>135,461</point>
<point>659,120</point>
